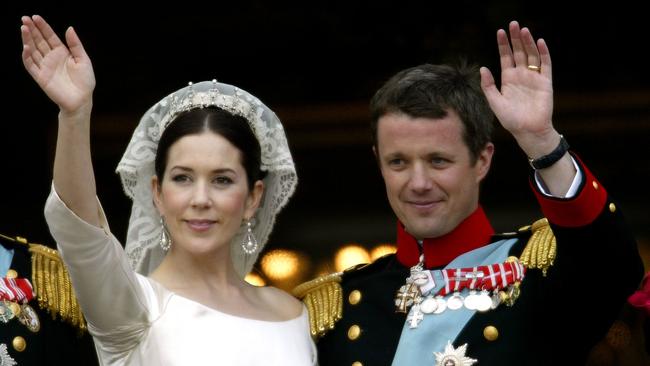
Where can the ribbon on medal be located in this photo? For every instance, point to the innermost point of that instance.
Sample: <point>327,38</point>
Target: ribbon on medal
<point>15,293</point>
<point>488,285</point>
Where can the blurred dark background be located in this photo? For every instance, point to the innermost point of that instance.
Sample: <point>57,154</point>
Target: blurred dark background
<point>317,64</point>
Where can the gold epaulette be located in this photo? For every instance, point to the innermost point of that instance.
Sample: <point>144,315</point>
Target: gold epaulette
<point>541,248</point>
<point>323,298</point>
<point>52,286</point>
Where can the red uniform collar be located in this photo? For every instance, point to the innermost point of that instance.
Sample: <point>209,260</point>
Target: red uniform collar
<point>473,232</point>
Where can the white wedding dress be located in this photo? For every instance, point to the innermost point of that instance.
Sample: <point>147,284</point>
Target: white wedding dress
<point>136,321</point>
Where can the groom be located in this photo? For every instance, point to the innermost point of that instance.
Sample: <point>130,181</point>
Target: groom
<point>456,293</point>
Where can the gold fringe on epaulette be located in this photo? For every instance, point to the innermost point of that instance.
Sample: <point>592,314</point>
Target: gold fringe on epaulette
<point>541,248</point>
<point>323,298</point>
<point>52,286</point>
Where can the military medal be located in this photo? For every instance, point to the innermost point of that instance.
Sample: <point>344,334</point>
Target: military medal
<point>410,292</point>
<point>5,312</point>
<point>496,300</point>
<point>453,356</point>
<point>471,300</point>
<point>429,305</point>
<point>15,293</point>
<point>483,301</point>
<point>5,357</point>
<point>405,296</point>
<point>420,278</point>
<point>455,302</point>
<point>442,305</point>
<point>488,286</point>
<point>415,317</point>
<point>14,307</point>
<point>29,318</point>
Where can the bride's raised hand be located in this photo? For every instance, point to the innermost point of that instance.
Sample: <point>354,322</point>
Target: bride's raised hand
<point>62,70</point>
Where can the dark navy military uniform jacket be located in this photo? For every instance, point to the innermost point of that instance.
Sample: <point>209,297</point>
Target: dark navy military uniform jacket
<point>56,342</point>
<point>555,321</point>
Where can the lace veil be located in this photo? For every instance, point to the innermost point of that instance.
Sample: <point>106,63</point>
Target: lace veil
<point>137,167</point>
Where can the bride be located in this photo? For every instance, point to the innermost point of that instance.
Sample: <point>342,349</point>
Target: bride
<point>207,168</point>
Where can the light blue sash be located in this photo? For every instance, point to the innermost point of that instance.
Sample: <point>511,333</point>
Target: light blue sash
<point>6,255</point>
<point>416,346</point>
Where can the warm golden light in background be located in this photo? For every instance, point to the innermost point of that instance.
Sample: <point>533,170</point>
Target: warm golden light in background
<point>287,268</point>
<point>381,250</point>
<point>254,279</point>
<point>350,255</point>
<point>324,268</point>
<point>280,264</point>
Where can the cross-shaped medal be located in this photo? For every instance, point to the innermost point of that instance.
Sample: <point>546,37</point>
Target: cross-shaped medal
<point>405,297</point>
<point>415,317</point>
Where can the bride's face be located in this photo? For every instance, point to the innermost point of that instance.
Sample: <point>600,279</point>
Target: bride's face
<point>204,195</point>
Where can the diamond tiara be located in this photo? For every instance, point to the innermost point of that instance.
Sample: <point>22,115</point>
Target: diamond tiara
<point>235,104</point>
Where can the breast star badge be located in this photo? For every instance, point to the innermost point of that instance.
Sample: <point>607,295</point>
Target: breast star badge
<point>453,356</point>
<point>5,358</point>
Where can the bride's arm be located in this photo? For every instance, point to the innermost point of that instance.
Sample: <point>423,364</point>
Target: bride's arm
<point>64,72</point>
<point>109,292</point>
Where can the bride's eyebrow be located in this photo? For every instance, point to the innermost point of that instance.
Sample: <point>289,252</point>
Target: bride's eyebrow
<point>214,171</point>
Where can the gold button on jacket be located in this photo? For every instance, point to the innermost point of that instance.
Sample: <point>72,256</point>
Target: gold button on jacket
<point>354,332</point>
<point>19,343</point>
<point>491,333</point>
<point>354,297</point>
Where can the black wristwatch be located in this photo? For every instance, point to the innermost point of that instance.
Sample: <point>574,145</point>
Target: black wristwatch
<point>551,158</point>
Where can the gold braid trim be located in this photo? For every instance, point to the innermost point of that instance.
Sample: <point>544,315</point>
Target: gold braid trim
<point>323,298</point>
<point>52,286</point>
<point>541,248</point>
